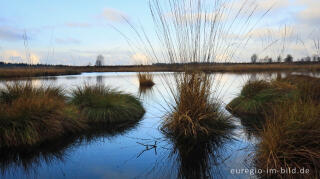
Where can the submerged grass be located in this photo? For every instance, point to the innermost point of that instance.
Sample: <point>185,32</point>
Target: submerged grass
<point>100,104</point>
<point>195,115</point>
<point>145,79</point>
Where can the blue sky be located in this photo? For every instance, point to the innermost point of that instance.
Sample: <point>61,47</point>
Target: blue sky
<point>76,31</point>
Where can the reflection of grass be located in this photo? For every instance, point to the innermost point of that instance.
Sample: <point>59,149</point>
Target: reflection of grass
<point>194,114</point>
<point>101,104</point>
<point>29,115</point>
<point>54,150</point>
<point>145,79</point>
<point>199,158</point>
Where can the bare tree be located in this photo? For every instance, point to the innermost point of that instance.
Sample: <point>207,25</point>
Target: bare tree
<point>100,60</point>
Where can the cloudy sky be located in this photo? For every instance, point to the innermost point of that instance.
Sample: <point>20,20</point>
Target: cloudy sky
<point>74,32</point>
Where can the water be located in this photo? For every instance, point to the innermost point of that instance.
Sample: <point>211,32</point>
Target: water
<point>138,151</point>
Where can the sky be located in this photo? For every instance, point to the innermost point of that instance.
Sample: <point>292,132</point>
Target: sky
<point>75,32</point>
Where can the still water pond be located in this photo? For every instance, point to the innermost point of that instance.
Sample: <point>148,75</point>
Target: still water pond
<point>138,151</point>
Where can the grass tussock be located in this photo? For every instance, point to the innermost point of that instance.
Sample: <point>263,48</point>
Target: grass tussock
<point>291,139</point>
<point>32,115</point>
<point>29,115</point>
<point>100,104</point>
<point>195,115</point>
<point>258,97</point>
<point>145,79</point>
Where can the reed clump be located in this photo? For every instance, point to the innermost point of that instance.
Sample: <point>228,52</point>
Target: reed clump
<point>195,114</point>
<point>145,79</point>
<point>29,115</point>
<point>102,105</point>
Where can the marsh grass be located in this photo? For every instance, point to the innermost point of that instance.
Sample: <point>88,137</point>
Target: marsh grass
<point>102,105</point>
<point>145,79</point>
<point>258,97</point>
<point>30,115</point>
<point>291,138</point>
<point>194,114</point>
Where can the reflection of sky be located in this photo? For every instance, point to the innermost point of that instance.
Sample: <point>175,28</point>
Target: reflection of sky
<point>116,157</point>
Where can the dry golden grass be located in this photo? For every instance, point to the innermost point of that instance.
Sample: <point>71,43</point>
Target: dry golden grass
<point>195,115</point>
<point>34,72</point>
<point>291,139</point>
<point>145,79</point>
<point>232,68</point>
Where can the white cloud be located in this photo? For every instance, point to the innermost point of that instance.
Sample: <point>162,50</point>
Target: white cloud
<point>140,58</point>
<point>14,56</point>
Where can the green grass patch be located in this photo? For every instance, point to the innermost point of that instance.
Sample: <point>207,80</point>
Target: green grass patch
<point>100,104</point>
<point>257,98</point>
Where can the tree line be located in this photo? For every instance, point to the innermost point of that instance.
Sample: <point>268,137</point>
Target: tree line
<point>287,59</point>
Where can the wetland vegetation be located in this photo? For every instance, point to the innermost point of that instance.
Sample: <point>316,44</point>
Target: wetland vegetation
<point>30,115</point>
<point>122,125</point>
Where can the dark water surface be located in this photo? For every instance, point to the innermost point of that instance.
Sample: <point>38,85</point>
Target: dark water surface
<point>136,151</point>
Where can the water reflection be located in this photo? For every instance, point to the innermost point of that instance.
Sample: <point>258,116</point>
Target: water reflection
<point>200,159</point>
<point>145,91</point>
<point>29,158</point>
<point>252,126</point>
<point>99,79</point>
